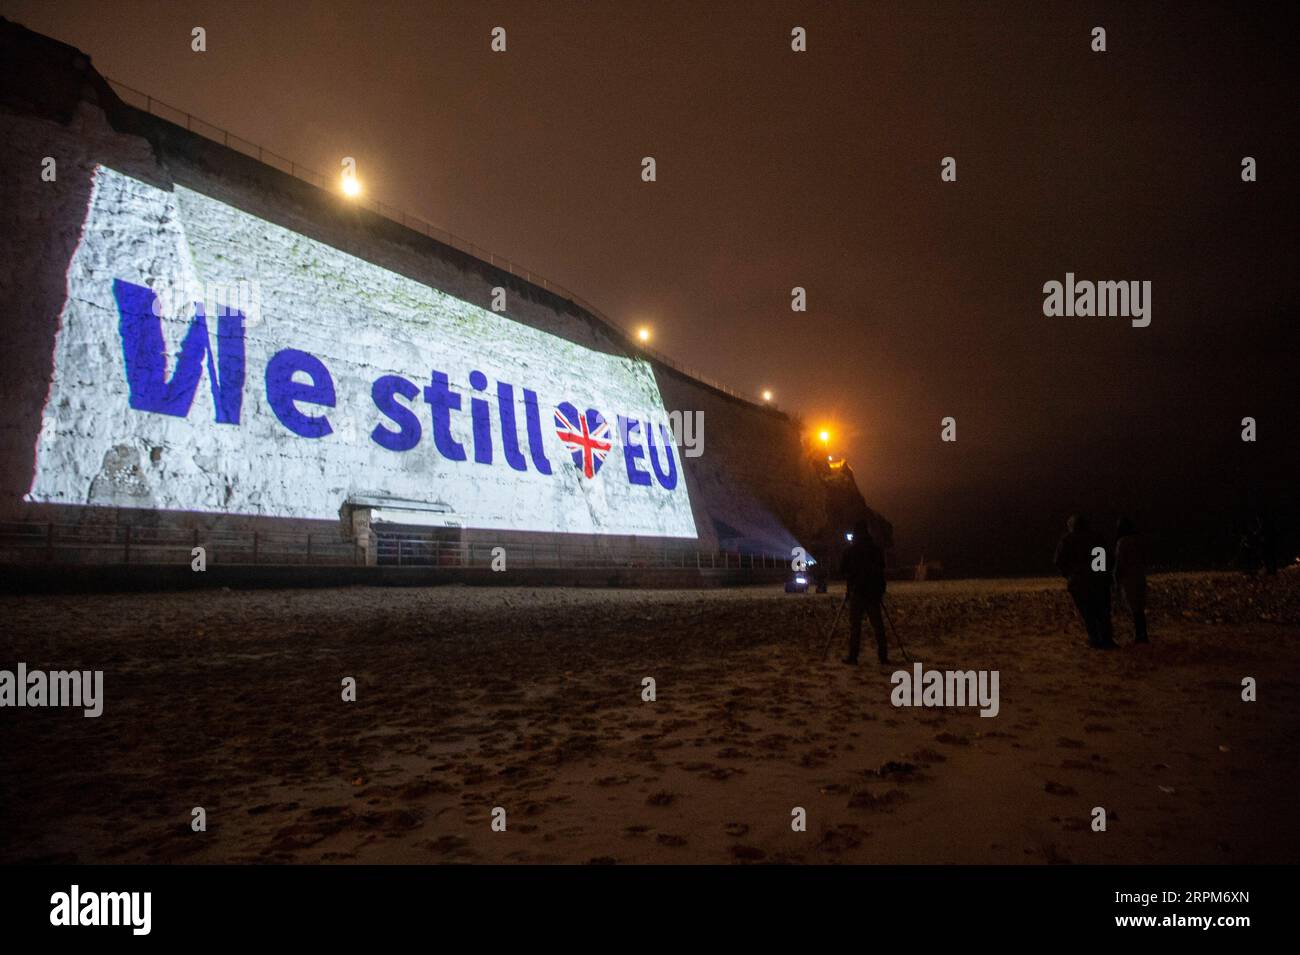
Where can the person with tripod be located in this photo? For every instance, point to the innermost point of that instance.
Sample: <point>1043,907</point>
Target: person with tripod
<point>863,569</point>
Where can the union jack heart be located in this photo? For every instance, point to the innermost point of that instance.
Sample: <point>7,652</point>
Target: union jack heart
<point>586,435</point>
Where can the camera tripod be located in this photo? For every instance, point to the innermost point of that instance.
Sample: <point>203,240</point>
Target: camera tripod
<point>898,637</point>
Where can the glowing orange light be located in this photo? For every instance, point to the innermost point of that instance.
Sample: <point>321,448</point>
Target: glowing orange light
<point>643,333</point>
<point>767,394</point>
<point>351,186</point>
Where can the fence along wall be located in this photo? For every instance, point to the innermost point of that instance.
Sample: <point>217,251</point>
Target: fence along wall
<point>75,283</point>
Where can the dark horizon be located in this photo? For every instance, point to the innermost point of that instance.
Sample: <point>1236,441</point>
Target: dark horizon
<point>822,170</point>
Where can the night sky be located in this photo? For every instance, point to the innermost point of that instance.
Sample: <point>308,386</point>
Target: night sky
<point>822,170</point>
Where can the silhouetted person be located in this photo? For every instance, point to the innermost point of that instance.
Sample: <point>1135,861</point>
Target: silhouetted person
<point>1131,576</point>
<point>1089,589</point>
<point>863,569</point>
<point>821,576</point>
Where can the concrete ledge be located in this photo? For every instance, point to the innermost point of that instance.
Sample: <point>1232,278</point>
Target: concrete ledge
<point>83,578</point>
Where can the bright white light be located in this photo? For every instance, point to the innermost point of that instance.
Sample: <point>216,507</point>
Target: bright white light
<point>643,333</point>
<point>351,186</point>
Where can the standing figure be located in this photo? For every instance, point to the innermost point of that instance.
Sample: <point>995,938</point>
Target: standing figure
<point>863,568</point>
<point>1131,576</point>
<point>1090,589</point>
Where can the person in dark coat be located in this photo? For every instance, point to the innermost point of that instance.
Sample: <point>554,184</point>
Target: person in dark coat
<point>821,574</point>
<point>1090,589</point>
<point>863,569</point>
<point>1131,576</point>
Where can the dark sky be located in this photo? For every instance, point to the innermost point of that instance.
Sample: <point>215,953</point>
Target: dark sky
<point>821,170</point>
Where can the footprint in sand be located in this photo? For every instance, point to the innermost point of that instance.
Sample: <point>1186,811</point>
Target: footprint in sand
<point>1053,856</point>
<point>450,845</point>
<point>865,799</point>
<point>661,799</point>
<point>666,839</point>
<point>736,829</point>
<point>308,832</point>
<point>901,771</point>
<point>1060,789</point>
<point>392,821</point>
<point>840,839</point>
<point>722,773</point>
<point>927,756</point>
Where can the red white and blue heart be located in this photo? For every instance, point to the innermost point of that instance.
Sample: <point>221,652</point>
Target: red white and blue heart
<point>585,434</point>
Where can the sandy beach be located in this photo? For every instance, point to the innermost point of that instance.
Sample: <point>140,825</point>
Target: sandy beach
<point>531,700</point>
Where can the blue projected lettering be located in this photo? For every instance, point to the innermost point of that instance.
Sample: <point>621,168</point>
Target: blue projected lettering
<point>584,433</point>
<point>145,354</point>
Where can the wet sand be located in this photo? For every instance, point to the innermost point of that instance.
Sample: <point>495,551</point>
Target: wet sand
<point>531,700</point>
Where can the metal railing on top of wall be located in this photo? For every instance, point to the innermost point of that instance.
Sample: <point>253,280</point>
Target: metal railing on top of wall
<point>155,107</point>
